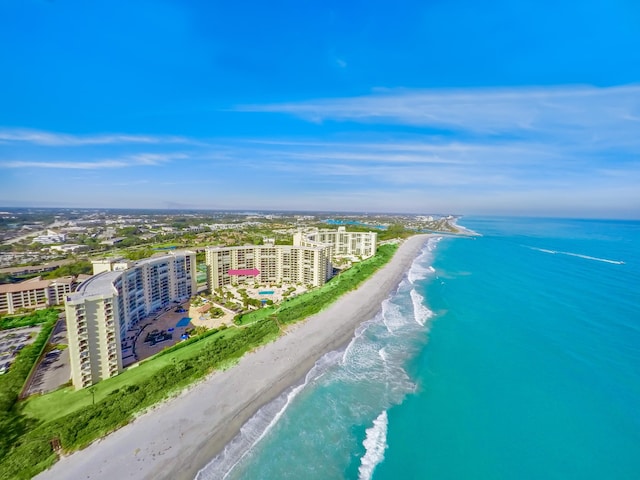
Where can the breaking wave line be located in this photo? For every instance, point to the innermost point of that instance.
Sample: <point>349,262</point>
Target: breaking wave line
<point>375,444</point>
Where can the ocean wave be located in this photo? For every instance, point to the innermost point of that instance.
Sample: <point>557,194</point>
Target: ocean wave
<point>571,254</point>
<point>420,269</point>
<point>420,311</point>
<point>375,444</point>
<point>392,317</point>
<point>374,359</point>
<point>261,423</point>
<point>383,354</point>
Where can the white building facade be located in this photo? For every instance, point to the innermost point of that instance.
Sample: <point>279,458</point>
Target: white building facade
<point>356,245</point>
<point>104,307</point>
<point>274,263</point>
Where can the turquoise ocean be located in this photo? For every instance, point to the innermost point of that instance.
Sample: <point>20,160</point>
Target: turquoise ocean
<point>511,355</point>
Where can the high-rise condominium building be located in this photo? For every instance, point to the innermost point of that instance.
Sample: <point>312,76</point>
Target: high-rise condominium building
<point>274,263</point>
<point>341,242</point>
<point>104,307</point>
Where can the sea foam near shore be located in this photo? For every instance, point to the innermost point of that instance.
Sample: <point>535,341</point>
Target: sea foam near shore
<point>333,421</point>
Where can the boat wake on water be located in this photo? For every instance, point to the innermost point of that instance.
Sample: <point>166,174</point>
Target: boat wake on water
<point>571,254</point>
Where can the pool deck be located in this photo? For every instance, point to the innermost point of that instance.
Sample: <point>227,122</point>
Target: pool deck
<point>164,321</point>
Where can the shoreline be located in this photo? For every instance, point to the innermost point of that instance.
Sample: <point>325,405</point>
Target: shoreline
<point>179,437</point>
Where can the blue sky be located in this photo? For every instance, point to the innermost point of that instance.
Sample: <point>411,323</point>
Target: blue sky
<point>496,107</point>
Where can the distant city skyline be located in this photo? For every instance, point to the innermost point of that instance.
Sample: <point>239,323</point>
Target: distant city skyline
<point>456,107</point>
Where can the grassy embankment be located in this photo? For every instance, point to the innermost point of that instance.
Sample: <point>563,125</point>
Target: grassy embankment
<point>72,418</point>
<point>14,425</point>
<point>36,318</point>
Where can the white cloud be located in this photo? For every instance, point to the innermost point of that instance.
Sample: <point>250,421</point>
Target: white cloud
<point>572,110</point>
<point>517,149</point>
<point>53,139</point>
<point>67,165</point>
<point>142,159</point>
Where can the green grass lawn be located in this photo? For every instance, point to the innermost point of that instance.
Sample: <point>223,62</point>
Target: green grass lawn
<point>29,320</point>
<point>166,245</point>
<point>67,399</point>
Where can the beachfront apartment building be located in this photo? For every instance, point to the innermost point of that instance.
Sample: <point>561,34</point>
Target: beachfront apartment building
<point>308,265</point>
<point>34,293</point>
<point>107,305</point>
<point>354,245</point>
<point>308,261</point>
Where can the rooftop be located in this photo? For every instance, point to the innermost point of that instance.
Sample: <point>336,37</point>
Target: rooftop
<point>24,286</point>
<point>98,285</point>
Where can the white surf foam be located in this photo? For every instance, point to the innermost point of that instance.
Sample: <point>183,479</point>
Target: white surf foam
<point>420,311</point>
<point>571,254</point>
<point>358,333</point>
<point>260,424</point>
<point>419,267</point>
<point>383,355</point>
<point>375,445</point>
<point>391,316</point>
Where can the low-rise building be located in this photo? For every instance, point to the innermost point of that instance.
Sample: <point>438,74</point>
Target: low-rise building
<point>34,293</point>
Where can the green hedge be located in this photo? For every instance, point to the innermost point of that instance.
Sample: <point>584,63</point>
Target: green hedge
<point>35,318</point>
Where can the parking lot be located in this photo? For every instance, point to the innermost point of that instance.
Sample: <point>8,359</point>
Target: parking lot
<point>12,341</point>
<point>54,370</point>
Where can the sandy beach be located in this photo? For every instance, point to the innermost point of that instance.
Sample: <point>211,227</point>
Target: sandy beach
<point>178,438</point>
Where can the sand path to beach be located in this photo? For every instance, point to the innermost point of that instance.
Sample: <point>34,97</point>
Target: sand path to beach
<point>179,437</point>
